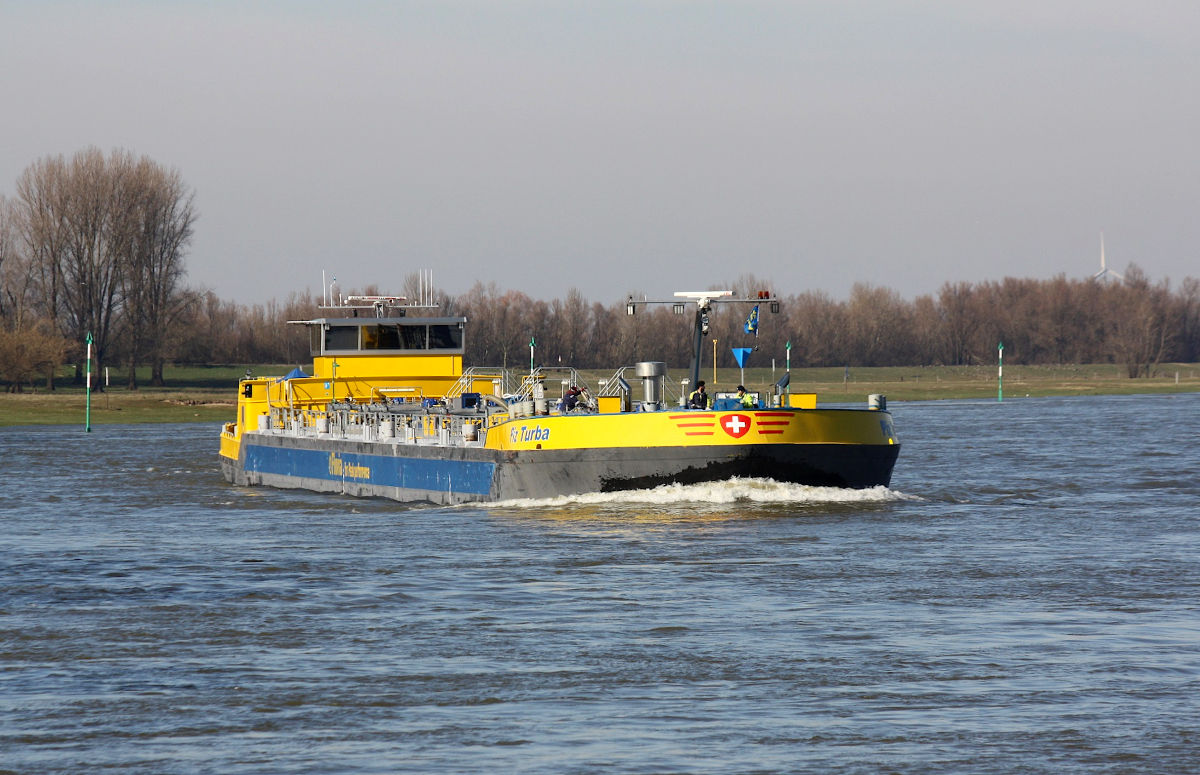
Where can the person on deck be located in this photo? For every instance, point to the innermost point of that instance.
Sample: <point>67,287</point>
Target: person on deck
<point>747,400</point>
<point>698,398</point>
<point>571,399</point>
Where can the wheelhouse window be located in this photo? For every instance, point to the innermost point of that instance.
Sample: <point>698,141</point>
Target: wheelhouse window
<point>445,337</point>
<point>381,338</point>
<point>412,337</point>
<point>341,338</point>
<point>403,337</point>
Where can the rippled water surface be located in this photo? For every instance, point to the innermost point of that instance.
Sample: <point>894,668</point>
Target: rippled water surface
<point>1025,599</point>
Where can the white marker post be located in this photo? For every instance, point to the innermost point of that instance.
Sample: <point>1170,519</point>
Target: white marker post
<point>87,417</point>
<point>1000,374</point>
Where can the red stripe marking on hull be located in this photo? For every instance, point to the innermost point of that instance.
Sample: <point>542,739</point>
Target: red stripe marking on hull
<point>706,433</point>
<point>764,433</point>
<point>695,416</point>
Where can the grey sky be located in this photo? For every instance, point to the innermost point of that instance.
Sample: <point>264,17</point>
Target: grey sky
<point>623,146</point>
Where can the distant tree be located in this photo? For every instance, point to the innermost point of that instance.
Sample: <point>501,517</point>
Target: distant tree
<point>879,322</point>
<point>820,333</point>
<point>41,201</point>
<point>961,321</point>
<point>1189,319</point>
<point>107,236</point>
<point>15,275</point>
<point>166,218</point>
<point>27,352</point>
<point>153,297</point>
<point>1140,323</point>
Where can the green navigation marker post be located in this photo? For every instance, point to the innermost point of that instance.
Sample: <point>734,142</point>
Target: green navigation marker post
<point>532,344</point>
<point>788,347</point>
<point>1000,374</point>
<point>87,418</point>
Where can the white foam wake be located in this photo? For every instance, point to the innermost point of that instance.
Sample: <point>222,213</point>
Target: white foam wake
<point>731,491</point>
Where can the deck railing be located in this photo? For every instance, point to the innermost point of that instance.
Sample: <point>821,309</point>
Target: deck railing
<point>530,382</point>
<point>379,422</point>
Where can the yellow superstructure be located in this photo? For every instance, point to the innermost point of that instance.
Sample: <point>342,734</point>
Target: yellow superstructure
<point>359,361</point>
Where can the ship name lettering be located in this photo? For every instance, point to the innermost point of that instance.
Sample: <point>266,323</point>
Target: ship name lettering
<point>525,433</point>
<point>339,467</point>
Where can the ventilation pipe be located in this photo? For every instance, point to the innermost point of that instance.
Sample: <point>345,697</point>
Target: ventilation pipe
<point>652,373</point>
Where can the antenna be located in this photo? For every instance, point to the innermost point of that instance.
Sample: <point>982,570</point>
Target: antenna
<point>1105,272</point>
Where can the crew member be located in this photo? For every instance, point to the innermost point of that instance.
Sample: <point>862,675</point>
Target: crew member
<point>698,398</point>
<point>747,400</point>
<point>571,399</point>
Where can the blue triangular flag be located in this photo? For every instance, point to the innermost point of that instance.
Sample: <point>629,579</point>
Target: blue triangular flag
<point>752,321</point>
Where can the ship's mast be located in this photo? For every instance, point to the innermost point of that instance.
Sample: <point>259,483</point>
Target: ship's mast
<point>703,301</point>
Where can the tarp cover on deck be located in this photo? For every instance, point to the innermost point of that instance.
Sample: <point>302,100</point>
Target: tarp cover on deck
<point>293,374</point>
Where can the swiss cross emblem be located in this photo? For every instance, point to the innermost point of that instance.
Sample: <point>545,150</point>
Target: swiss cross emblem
<point>736,425</point>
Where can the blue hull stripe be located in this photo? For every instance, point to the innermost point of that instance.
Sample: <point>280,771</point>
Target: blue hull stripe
<point>465,476</point>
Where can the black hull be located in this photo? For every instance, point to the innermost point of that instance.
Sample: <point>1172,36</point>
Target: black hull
<point>829,465</point>
<point>473,474</point>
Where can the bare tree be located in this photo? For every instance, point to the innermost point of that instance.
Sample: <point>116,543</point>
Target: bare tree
<point>107,236</point>
<point>42,202</point>
<point>165,216</point>
<point>14,275</point>
<point>961,320</point>
<point>1189,315</point>
<point>100,202</point>
<point>1140,324</point>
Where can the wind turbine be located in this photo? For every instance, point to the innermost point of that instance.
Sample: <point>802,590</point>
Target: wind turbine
<point>1104,272</point>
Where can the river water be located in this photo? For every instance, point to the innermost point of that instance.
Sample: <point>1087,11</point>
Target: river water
<point>1024,599</point>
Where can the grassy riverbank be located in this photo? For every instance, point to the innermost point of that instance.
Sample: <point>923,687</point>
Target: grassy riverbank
<point>209,393</point>
<point>916,383</point>
<point>192,394</point>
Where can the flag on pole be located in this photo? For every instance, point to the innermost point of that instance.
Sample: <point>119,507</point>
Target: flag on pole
<point>752,321</point>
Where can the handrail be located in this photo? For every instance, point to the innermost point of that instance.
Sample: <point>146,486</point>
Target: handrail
<point>613,383</point>
<point>538,376</point>
<point>474,373</point>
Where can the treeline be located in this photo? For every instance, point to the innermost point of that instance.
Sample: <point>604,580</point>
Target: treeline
<point>96,244</point>
<point>1137,323</point>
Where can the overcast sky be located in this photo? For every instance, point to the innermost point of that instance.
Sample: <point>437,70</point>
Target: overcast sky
<point>628,146</point>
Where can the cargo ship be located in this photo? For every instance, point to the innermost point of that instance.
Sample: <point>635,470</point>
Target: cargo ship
<point>390,411</point>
